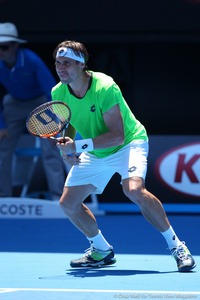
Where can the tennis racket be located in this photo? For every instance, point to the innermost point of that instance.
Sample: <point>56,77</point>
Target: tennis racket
<point>49,119</point>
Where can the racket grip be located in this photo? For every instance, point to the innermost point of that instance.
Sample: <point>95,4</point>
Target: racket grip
<point>53,138</point>
<point>63,136</point>
<point>50,137</point>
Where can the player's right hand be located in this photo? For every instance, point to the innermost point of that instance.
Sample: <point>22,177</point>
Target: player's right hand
<point>71,160</point>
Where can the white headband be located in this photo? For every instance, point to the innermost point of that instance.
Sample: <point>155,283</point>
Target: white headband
<point>68,52</point>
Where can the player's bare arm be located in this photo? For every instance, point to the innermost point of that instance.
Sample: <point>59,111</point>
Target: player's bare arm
<point>115,136</point>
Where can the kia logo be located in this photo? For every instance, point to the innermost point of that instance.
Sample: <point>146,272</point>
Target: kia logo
<point>179,169</point>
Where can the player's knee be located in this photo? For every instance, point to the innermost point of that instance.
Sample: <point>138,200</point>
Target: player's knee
<point>135,194</point>
<point>69,207</point>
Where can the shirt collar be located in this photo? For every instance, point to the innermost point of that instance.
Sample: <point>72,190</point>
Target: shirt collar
<point>19,61</point>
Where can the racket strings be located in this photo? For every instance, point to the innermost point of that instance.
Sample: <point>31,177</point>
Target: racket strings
<point>48,120</point>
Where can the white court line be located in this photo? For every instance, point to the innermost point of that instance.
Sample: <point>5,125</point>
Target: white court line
<point>6,290</point>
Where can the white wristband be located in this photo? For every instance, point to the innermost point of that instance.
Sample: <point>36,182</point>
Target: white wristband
<point>84,145</point>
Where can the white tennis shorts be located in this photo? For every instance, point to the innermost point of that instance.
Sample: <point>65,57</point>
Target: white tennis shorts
<point>130,161</point>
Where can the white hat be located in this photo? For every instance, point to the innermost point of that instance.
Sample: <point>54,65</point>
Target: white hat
<point>9,33</point>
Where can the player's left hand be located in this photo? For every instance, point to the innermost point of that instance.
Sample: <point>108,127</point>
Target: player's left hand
<point>67,146</point>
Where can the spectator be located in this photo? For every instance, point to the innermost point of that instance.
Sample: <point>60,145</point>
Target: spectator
<point>28,83</point>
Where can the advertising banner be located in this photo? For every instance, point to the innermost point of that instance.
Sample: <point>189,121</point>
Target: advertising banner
<point>174,168</point>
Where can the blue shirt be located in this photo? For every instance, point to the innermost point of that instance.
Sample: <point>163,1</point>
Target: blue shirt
<point>29,78</point>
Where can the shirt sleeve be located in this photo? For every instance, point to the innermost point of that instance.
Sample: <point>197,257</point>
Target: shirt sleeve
<point>111,98</point>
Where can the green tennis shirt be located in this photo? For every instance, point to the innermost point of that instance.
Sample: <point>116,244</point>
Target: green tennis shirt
<point>87,113</point>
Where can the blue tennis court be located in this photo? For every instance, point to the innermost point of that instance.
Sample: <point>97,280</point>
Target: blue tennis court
<point>35,256</point>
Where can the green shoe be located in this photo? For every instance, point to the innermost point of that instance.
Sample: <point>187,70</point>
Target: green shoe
<point>183,257</point>
<point>95,258</point>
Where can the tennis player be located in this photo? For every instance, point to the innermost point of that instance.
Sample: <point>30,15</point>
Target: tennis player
<point>113,141</point>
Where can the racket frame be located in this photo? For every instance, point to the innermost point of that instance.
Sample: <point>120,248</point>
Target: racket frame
<point>52,135</point>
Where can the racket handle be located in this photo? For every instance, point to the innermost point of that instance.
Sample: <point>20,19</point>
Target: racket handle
<point>63,136</point>
<point>50,137</point>
<point>53,138</point>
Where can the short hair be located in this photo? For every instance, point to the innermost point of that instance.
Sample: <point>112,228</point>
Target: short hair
<point>78,48</point>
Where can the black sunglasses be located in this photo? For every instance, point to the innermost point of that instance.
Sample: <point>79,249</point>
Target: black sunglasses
<point>5,47</point>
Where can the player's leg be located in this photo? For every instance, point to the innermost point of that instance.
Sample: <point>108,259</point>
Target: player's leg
<point>133,173</point>
<point>100,252</point>
<point>150,206</point>
<point>153,211</point>
<point>90,177</point>
<point>79,214</point>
